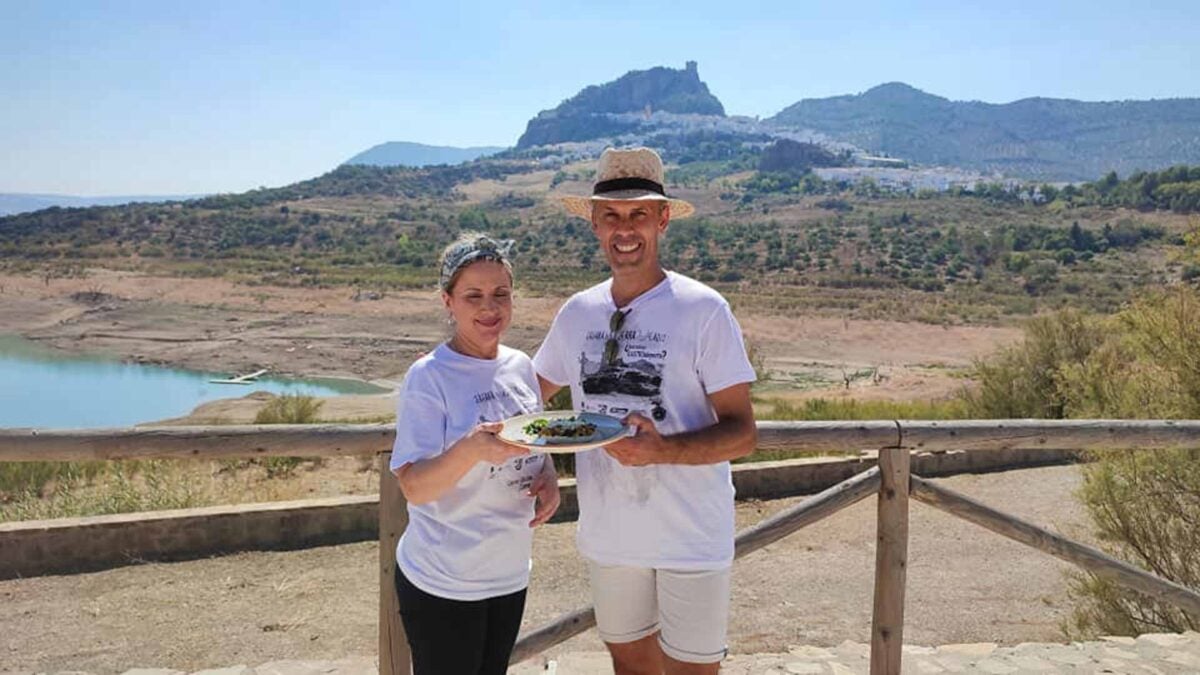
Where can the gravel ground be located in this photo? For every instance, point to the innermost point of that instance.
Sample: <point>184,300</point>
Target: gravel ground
<point>965,584</point>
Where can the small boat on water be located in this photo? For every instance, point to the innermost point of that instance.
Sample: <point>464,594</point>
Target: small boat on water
<point>242,379</point>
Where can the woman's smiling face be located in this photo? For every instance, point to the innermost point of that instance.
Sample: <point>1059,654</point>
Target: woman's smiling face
<point>480,301</point>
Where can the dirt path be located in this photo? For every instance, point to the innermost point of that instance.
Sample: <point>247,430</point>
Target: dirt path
<point>965,585</point>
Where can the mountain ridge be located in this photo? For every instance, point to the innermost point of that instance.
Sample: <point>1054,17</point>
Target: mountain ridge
<point>1036,138</point>
<point>412,154</point>
<point>23,202</point>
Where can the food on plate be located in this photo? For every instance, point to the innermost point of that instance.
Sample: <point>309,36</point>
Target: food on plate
<point>567,427</point>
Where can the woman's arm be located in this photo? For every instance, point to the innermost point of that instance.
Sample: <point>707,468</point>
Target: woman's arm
<point>545,491</point>
<point>426,480</point>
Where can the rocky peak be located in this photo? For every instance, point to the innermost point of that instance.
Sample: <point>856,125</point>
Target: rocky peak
<point>589,114</point>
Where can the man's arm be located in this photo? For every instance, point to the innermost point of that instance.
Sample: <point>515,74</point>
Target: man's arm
<point>734,435</point>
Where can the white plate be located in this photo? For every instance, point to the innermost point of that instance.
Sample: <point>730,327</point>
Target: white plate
<point>608,429</point>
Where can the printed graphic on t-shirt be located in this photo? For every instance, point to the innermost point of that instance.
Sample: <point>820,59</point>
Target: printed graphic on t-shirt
<point>497,405</point>
<point>501,403</point>
<point>630,382</point>
<point>526,469</point>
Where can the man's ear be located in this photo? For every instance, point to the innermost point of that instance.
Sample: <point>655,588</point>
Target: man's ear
<point>666,218</point>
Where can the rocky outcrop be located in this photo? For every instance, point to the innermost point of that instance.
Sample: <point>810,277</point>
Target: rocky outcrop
<point>603,110</point>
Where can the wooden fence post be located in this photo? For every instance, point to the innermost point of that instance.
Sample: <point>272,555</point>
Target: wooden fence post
<point>891,562</point>
<point>394,657</point>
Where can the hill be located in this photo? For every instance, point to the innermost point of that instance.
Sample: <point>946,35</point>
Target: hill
<point>782,241</point>
<point>16,202</point>
<point>611,108</point>
<point>404,153</point>
<point>1035,138</point>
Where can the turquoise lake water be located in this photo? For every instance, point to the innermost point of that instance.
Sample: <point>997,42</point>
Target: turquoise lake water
<point>44,388</point>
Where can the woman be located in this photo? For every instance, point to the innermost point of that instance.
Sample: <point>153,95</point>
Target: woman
<point>462,564</point>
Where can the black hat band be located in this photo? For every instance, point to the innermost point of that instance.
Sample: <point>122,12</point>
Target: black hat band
<point>618,184</point>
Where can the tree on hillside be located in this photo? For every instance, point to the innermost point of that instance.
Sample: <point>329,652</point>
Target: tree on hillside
<point>790,156</point>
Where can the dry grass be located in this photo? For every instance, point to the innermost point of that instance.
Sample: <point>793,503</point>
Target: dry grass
<point>124,487</point>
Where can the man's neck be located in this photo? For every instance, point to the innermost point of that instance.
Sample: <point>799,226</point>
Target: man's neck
<point>629,285</point>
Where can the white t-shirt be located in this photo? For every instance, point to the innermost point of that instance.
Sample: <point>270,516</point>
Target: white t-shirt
<point>474,541</point>
<point>679,343</point>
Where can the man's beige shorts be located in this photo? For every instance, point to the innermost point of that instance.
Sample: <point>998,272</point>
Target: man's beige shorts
<point>688,608</point>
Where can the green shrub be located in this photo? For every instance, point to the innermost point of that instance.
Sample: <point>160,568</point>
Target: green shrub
<point>1025,380</point>
<point>1144,506</point>
<point>853,409</point>
<point>1143,362</point>
<point>289,409</point>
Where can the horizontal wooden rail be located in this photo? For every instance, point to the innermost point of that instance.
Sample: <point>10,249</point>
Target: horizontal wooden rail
<point>807,512</point>
<point>552,633</point>
<point>206,442</point>
<point>831,437</point>
<point>1095,561</point>
<point>814,508</point>
<point>1052,434</point>
<point>248,441</point>
<point>329,440</point>
<point>931,435</point>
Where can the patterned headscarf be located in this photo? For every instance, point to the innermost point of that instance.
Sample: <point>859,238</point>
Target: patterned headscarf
<point>470,248</point>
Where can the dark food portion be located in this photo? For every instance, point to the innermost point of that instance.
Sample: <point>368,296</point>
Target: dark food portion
<point>571,427</point>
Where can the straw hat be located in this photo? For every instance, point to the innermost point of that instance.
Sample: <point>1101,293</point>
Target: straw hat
<point>636,173</point>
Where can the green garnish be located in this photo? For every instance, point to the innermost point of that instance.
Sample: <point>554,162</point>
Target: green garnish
<point>535,427</point>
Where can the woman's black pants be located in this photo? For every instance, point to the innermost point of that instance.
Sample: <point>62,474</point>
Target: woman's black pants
<point>457,637</point>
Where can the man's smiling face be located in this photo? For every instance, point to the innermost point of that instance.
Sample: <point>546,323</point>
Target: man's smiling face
<point>628,231</point>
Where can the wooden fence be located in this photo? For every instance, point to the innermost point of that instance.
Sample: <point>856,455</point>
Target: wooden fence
<point>890,481</point>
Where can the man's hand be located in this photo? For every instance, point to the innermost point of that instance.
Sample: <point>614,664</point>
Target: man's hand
<point>545,493</point>
<point>645,448</point>
<point>734,435</point>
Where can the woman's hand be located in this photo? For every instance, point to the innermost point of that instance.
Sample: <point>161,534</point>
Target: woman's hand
<point>485,446</point>
<point>545,493</point>
<point>429,479</point>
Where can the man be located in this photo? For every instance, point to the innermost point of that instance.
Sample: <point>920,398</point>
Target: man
<point>665,353</point>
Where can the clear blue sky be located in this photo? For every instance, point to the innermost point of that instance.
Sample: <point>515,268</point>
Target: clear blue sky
<point>188,97</point>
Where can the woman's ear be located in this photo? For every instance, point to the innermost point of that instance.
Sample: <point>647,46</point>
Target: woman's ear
<point>446,304</point>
